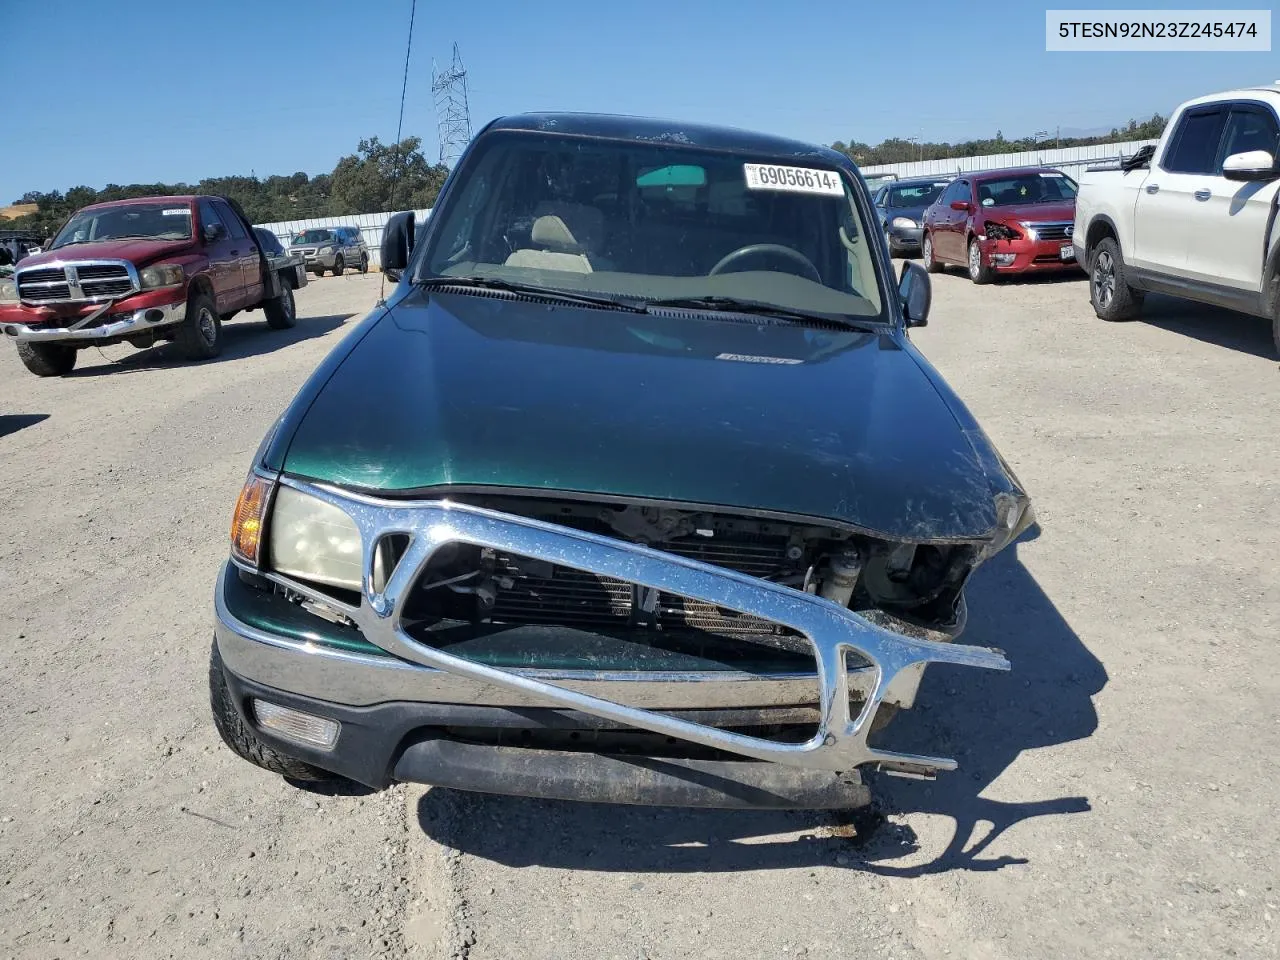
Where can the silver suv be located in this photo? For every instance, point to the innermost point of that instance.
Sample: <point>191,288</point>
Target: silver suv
<point>331,248</point>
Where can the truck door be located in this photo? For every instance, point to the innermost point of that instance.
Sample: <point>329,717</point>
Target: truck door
<point>1228,220</point>
<point>223,252</point>
<point>1166,204</point>
<point>247,252</point>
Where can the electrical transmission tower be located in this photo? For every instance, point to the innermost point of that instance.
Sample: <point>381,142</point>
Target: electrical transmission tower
<point>449,88</point>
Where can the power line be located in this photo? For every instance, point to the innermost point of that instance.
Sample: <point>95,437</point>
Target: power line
<point>395,174</point>
<point>404,87</point>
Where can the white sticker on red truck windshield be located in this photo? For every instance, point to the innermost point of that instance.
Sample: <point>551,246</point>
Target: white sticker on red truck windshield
<point>175,212</point>
<point>767,176</point>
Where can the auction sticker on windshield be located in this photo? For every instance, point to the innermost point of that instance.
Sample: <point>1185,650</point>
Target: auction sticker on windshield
<point>766,176</point>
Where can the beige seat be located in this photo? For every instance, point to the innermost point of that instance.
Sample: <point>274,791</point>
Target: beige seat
<point>563,236</point>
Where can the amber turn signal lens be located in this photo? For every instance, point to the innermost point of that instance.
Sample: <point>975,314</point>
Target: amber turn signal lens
<point>246,523</point>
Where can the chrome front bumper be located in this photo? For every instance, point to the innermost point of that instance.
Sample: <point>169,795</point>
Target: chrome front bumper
<point>137,322</point>
<point>894,663</point>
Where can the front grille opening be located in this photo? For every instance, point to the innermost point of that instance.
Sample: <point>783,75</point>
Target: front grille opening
<point>387,554</point>
<point>510,610</point>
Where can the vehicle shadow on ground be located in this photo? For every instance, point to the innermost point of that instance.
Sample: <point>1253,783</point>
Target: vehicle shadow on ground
<point>1223,328</point>
<point>982,718</point>
<point>13,422</point>
<point>240,339</point>
<point>1047,279</point>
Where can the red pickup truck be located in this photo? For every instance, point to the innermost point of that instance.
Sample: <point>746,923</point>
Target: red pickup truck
<point>140,271</point>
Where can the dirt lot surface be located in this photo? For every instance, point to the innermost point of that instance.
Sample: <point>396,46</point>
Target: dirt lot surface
<point>1116,796</point>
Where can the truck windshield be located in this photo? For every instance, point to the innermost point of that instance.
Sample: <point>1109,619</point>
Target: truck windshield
<point>1026,188</point>
<point>657,221</point>
<point>153,221</point>
<point>311,236</point>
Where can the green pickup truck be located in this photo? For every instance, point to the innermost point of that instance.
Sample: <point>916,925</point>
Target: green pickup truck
<point>633,489</point>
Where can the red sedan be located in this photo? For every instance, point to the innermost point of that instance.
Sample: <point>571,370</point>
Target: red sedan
<point>1002,221</point>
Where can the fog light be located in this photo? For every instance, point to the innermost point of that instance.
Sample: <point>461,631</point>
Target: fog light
<point>295,725</point>
<point>154,316</point>
<point>1003,259</point>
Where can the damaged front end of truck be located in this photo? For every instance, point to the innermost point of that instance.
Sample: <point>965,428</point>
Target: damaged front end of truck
<point>615,498</point>
<point>588,649</point>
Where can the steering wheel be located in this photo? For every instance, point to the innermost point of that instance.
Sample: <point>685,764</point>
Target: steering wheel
<point>794,257</point>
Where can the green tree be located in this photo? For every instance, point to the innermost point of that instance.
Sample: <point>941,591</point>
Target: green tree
<point>380,178</point>
<point>897,150</point>
<point>376,179</point>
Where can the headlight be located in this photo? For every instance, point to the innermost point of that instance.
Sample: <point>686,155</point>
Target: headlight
<point>323,250</point>
<point>1001,231</point>
<point>8,291</point>
<point>161,275</point>
<point>313,540</point>
<point>904,223</point>
<point>1014,515</point>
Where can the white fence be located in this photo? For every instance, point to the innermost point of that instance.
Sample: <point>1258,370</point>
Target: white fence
<point>1070,160</point>
<point>370,224</point>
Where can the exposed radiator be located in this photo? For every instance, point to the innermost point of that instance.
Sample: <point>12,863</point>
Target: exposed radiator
<point>560,595</point>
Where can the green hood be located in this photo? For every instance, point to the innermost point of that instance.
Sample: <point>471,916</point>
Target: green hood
<point>461,390</point>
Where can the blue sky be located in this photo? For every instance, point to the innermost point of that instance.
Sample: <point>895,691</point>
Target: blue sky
<point>144,91</point>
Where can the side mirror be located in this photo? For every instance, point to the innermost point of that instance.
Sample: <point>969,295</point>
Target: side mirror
<point>915,291</point>
<point>397,244</point>
<point>1253,165</point>
<point>959,204</point>
<point>214,232</point>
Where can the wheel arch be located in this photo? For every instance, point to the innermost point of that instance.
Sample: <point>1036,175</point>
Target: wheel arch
<point>200,284</point>
<point>1100,227</point>
<point>1271,283</point>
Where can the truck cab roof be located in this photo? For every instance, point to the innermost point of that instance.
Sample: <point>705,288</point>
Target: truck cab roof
<point>1243,93</point>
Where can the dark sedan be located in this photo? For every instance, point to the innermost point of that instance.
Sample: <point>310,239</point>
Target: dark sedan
<point>901,205</point>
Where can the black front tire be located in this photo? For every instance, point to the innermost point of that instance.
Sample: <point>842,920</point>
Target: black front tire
<point>339,266</point>
<point>931,263</point>
<point>282,311</point>
<point>979,272</point>
<point>199,336</point>
<point>237,735</point>
<point>1275,324</point>
<point>364,263</point>
<point>47,359</point>
<point>1109,292</point>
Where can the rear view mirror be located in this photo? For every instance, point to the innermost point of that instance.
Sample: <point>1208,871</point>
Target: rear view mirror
<point>959,204</point>
<point>1253,165</point>
<point>915,291</point>
<point>397,244</point>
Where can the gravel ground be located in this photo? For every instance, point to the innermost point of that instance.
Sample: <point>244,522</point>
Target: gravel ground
<point>1116,790</point>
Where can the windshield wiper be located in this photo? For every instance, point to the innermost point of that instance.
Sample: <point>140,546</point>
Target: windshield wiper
<point>532,289</point>
<point>756,308</point>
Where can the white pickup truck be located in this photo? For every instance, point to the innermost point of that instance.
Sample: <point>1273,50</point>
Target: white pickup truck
<point>1196,217</point>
